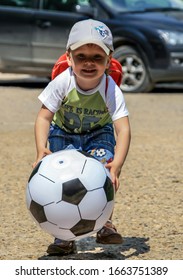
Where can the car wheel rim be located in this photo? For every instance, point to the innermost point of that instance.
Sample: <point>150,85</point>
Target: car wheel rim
<point>133,73</point>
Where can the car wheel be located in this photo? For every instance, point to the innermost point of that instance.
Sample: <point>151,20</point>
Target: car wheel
<point>135,75</point>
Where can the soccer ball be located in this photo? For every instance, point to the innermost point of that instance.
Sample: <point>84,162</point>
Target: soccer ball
<point>70,194</point>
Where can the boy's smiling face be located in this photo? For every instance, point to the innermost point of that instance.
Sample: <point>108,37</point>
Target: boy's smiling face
<point>89,63</point>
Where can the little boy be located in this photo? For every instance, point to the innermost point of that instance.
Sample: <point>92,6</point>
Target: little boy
<point>79,109</point>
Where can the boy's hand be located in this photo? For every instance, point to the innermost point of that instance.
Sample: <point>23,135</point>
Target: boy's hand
<point>115,173</point>
<point>41,154</point>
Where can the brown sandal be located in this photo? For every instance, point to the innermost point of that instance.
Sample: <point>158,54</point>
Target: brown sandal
<point>62,247</point>
<point>109,235</point>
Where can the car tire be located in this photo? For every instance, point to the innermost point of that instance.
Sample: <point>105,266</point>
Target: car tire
<point>136,78</point>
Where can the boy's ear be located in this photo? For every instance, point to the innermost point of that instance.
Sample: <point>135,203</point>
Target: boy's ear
<point>68,56</point>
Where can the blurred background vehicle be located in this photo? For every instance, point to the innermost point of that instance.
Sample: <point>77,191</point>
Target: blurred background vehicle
<point>148,36</point>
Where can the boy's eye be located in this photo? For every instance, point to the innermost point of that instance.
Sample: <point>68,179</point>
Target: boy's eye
<point>97,57</point>
<point>94,58</point>
<point>81,56</point>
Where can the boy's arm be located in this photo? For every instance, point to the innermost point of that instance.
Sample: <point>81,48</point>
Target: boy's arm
<point>123,137</point>
<point>41,129</point>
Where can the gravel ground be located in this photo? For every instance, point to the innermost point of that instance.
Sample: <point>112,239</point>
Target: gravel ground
<point>148,209</point>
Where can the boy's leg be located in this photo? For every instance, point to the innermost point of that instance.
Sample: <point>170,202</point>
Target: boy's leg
<point>108,233</point>
<point>100,144</point>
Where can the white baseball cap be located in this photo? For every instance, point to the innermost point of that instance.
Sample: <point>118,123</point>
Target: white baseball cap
<point>90,31</point>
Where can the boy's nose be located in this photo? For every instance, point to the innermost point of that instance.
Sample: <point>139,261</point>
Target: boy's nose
<point>89,60</point>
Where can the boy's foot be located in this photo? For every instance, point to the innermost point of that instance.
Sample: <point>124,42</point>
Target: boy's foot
<point>62,247</point>
<point>109,235</point>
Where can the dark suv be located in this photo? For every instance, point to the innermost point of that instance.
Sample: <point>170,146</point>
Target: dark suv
<point>148,36</point>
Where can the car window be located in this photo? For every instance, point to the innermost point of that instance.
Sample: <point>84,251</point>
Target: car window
<point>142,5</point>
<point>63,5</point>
<point>17,3</point>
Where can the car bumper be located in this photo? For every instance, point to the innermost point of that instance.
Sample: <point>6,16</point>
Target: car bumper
<point>167,75</point>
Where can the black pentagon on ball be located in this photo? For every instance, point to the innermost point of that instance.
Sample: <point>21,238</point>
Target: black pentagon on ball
<point>73,191</point>
<point>37,211</point>
<point>109,189</point>
<point>35,170</point>
<point>83,227</point>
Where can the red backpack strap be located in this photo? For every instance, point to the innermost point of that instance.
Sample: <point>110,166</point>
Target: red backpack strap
<point>60,66</point>
<point>115,71</point>
<point>106,85</point>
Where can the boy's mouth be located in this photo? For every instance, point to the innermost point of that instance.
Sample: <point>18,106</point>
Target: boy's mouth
<point>89,70</point>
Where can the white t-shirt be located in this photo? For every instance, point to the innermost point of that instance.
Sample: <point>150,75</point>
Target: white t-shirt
<point>78,111</point>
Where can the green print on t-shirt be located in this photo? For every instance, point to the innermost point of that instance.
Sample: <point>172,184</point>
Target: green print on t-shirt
<point>81,113</point>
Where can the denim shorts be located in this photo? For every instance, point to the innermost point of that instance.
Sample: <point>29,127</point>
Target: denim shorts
<point>100,143</point>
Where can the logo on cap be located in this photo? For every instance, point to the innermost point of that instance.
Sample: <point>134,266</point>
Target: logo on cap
<point>103,32</point>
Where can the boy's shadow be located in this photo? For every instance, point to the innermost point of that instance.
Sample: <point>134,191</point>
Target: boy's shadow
<point>88,249</point>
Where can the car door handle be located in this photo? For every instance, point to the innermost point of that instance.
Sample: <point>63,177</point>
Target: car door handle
<point>43,24</point>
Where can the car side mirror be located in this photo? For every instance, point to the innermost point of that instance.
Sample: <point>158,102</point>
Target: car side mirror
<point>86,10</point>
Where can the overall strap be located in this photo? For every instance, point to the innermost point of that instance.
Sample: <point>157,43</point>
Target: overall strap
<point>106,85</point>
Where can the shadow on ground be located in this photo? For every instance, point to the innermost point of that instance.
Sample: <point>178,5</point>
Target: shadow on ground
<point>25,82</point>
<point>88,249</point>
